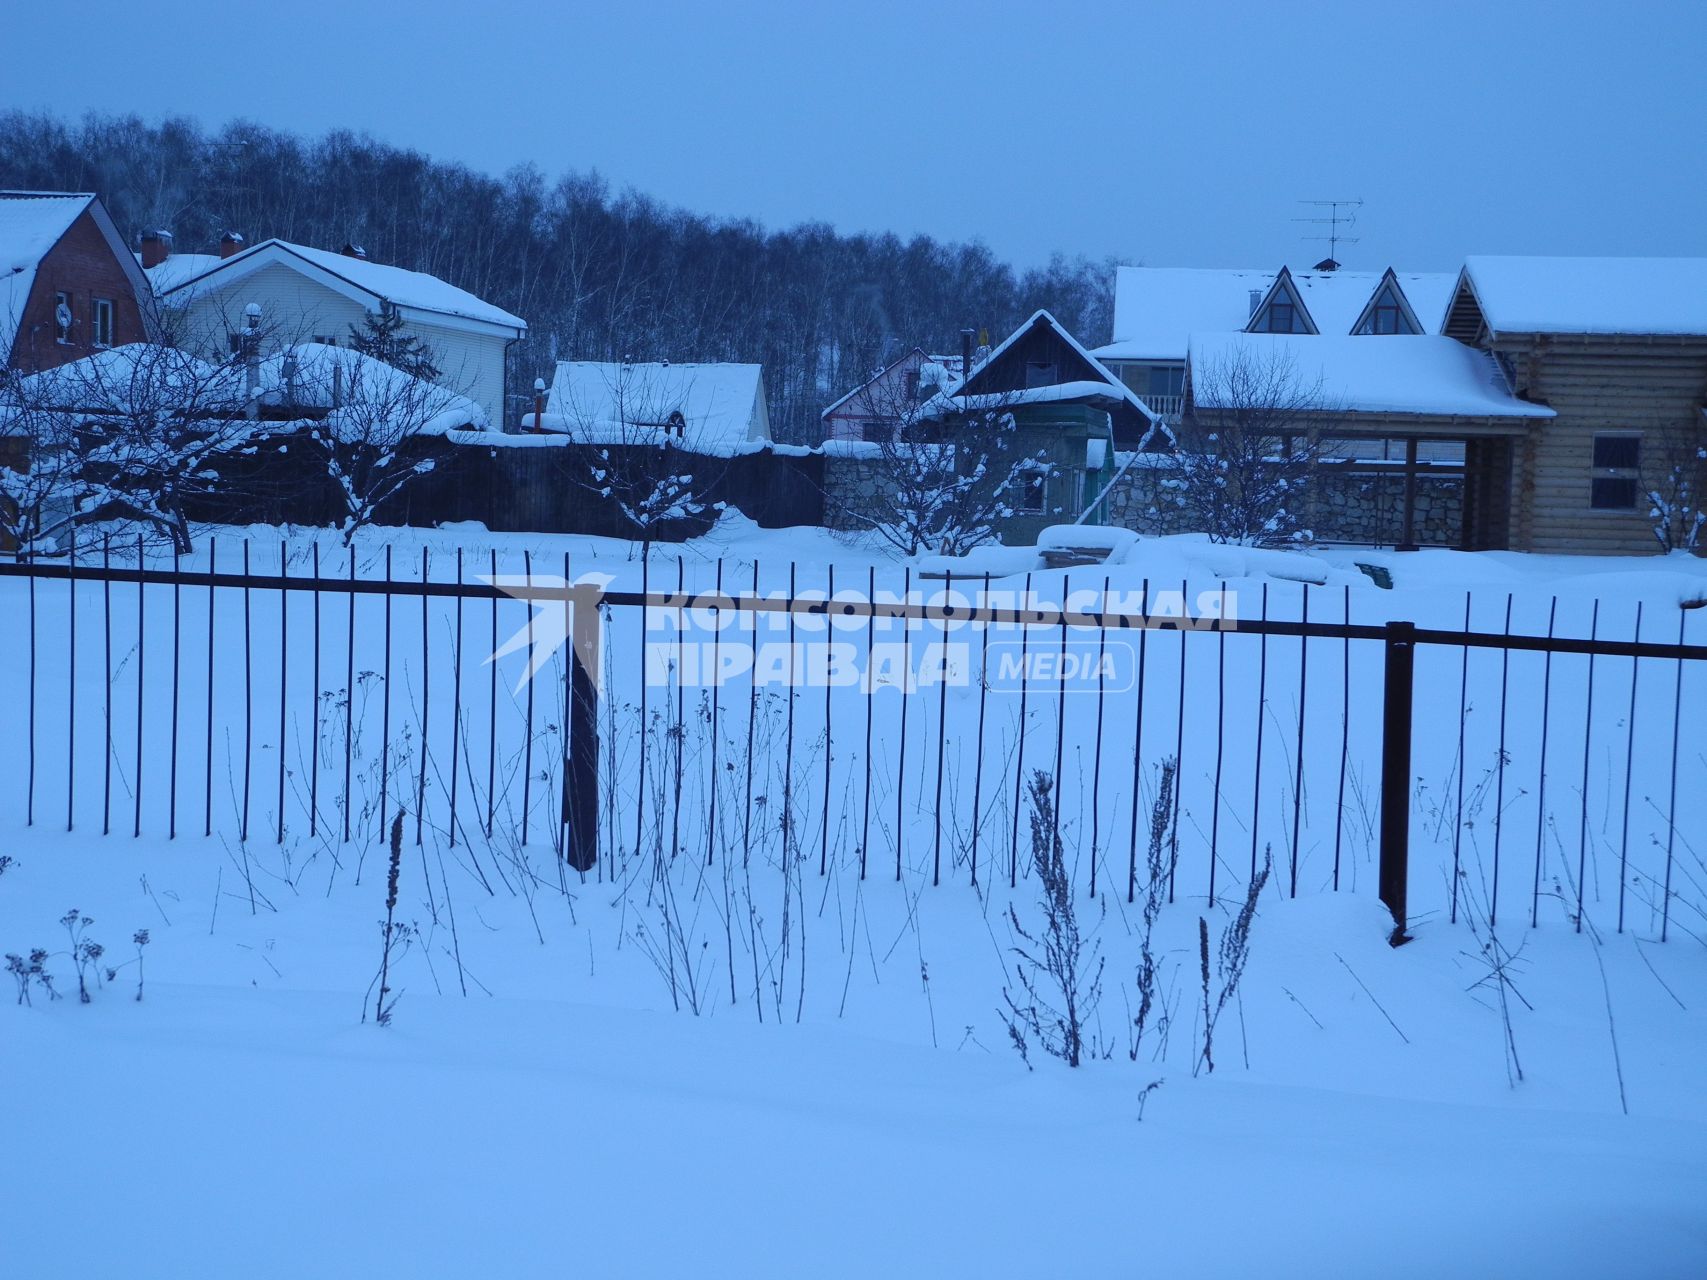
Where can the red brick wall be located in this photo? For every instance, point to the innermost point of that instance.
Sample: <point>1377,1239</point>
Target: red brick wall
<point>81,264</point>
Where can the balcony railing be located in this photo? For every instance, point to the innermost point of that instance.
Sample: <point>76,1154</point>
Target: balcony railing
<point>1166,406</point>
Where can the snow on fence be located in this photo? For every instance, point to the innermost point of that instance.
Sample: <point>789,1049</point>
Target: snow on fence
<point>266,694</point>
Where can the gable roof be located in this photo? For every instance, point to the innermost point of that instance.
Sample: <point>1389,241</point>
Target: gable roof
<point>969,393</point>
<point>357,278</point>
<point>31,223</point>
<point>1157,309</point>
<point>1590,295</point>
<point>1403,374</point>
<point>720,404</point>
<point>1283,289</point>
<point>1390,282</point>
<point>878,376</point>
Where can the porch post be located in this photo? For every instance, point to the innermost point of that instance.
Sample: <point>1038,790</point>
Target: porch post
<point>1409,540</point>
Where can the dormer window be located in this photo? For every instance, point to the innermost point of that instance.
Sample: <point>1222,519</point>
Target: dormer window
<point>1387,312</point>
<point>1280,317</point>
<point>1039,373</point>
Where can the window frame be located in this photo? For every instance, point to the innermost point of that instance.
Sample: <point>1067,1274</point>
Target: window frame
<point>1033,475</point>
<point>103,322</point>
<point>1602,476</point>
<point>1274,311</point>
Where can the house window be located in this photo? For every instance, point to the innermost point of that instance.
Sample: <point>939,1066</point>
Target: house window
<point>101,323</point>
<point>1032,490</point>
<point>326,339</point>
<point>1039,373</point>
<point>1614,485</point>
<point>1280,317</point>
<point>1166,380</point>
<point>62,317</point>
<point>1386,319</point>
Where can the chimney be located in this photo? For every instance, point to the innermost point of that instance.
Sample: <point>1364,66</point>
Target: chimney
<point>965,353</point>
<point>156,248</point>
<point>231,242</point>
<point>354,251</point>
<point>539,404</point>
<point>1256,301</point>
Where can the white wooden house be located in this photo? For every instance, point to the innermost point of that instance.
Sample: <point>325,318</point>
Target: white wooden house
<point>316,295</point>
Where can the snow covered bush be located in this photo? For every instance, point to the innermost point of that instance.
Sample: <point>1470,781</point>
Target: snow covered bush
<point>1246,450</point>
<point>1675,498</point>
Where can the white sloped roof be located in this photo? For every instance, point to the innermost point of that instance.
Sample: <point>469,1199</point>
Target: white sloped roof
<point>601,402</point>
<point>350,384</point>
<point>179,267</point>
<point>410,289</point>
<point>30,225</point>
<point>1156,309</point>
<point>1591,295</point>
<point>1420,374</point>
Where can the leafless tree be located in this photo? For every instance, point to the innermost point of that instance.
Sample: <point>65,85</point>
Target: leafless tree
<point>637,449</point>
<point>38,472</point>
<point>1247,448</point>
<point>138,432</point>
<point>378,429</point>
<point>950,470</point>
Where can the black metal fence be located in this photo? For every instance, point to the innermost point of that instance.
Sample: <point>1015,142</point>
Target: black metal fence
<point>301,699</point>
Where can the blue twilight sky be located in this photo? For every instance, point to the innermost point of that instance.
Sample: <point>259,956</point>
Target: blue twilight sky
<point>1176,135</point>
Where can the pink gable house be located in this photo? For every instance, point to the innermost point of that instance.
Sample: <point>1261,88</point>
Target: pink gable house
<point>874,409</point>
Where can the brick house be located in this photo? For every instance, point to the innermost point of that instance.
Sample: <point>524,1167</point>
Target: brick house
<point>68,285</point>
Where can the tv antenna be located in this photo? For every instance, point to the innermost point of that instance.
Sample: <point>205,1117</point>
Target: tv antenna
<point>1338,216</point>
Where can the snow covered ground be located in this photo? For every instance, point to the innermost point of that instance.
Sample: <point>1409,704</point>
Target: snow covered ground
<point>846,1100</point>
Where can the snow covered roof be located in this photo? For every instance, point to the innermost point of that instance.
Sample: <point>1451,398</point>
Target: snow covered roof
<point>319,376</point>
<point>31,223</point>
<point>1114,390</point>
<point>113,380</point>
<point>1403,374</point>
<point>719,404</point>
<point>1057,393</point>
<point>356,277</point>
<point>179,267</point>
<point>1590,295</point>
<point>352,389</point>
<point>1157,309</point>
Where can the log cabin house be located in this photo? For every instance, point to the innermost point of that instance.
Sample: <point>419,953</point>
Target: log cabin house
<point>1580,427</point>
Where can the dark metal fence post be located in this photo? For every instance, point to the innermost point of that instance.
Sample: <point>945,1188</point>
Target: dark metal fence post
<point>581,791</point>
<point>1400,646</point>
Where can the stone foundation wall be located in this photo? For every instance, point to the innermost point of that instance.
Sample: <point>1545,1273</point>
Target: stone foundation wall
<point>1339,507</point>
<point>855,486</point>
